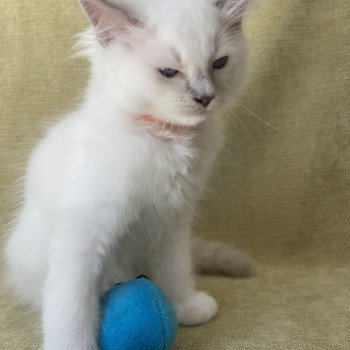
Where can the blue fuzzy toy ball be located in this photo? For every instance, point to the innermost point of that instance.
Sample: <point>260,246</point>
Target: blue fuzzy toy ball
<point>137,316</point>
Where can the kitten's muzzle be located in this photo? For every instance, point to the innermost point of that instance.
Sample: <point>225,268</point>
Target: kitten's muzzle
<point>204,100</point>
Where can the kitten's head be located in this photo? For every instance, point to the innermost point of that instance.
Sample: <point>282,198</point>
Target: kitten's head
<point>178,60</point>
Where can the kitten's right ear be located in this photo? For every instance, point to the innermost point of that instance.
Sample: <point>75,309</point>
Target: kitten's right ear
<point>109,22</point>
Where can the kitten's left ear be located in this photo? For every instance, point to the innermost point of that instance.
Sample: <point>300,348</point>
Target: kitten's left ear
<point>234,10</point>
<point>109,21</point>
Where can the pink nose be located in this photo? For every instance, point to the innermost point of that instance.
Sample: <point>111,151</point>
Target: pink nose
<point>204,100</point>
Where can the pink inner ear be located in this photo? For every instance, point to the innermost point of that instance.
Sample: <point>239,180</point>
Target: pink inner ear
<point>93,10</point>
<point>108,21</point>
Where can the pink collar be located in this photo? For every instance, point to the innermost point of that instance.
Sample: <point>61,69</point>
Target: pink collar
<point>163,125</point>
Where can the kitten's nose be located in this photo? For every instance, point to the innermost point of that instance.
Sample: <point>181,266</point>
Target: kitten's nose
<point>204,100</point>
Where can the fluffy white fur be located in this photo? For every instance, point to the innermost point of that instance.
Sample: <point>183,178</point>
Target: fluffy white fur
<point>109,194</point>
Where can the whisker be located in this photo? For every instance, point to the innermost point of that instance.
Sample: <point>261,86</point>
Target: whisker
<point>257,117</point>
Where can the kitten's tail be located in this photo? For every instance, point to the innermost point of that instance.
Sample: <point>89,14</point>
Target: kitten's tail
<point>216,258</point>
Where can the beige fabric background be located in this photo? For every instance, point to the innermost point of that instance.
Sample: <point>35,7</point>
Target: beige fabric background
<point>281,193</point>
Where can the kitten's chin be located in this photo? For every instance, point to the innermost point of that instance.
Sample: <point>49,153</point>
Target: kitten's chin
<point>191,120</point>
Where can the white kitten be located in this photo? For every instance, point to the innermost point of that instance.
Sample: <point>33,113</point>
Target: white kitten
<point>111,190</point>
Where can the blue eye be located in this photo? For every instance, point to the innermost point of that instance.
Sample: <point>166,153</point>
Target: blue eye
<point>168,72</point>
<point>220,63</point>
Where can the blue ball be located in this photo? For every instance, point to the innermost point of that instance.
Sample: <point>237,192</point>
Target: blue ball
<point>137,316</point>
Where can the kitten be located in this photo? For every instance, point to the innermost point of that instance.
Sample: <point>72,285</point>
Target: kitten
<point>110,191</point>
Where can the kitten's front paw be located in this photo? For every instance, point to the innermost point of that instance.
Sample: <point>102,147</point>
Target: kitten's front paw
<point>198,309</point>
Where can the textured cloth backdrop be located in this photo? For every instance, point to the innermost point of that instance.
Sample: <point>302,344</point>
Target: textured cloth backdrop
<point>281,192</point>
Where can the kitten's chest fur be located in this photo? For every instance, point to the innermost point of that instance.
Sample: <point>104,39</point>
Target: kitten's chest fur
<point>173,170</point>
